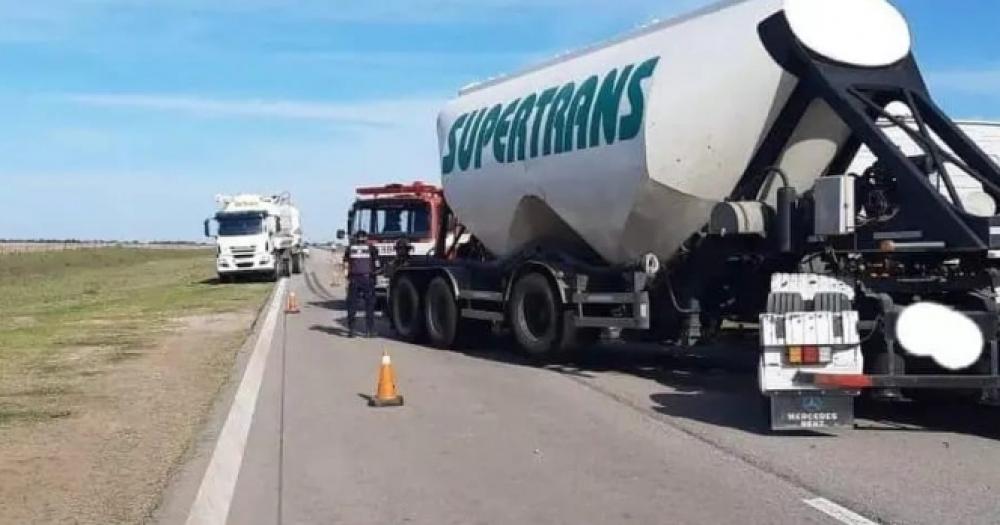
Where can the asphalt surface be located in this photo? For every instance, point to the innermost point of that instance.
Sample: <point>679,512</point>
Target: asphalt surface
<point>620,435</point>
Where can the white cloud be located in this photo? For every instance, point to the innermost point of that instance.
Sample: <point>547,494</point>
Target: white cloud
<point>985,81</point>
<point>24,20</point>
<point>159,196</point>
<point>378,113</point>
<point>408,59</point>
<point>417,11</point>
<point>388,10</point>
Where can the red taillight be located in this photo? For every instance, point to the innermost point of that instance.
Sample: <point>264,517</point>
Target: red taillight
<point>808,355</point>
<point>842,381</point>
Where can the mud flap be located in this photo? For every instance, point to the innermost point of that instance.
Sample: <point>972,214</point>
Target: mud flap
<point>810,410</point>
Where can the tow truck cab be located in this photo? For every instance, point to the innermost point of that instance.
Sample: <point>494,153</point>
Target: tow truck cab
<point>393,213</point>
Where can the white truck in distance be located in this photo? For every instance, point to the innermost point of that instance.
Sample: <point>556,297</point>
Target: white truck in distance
<point>695,175</point>
<point>257,234</point>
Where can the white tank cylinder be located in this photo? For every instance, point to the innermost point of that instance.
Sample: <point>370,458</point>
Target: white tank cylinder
<point>626,146</point>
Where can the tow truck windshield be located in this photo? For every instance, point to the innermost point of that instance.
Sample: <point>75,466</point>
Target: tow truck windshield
<point>392,219</point>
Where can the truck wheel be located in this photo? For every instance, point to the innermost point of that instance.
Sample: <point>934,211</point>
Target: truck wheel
<point>297,263</point>
<point>286,267</point>
<point>441,314</point>
<point>535,318</point>
<point>406,311</point>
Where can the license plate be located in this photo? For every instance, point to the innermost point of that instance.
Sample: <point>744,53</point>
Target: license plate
<point>811,410</point>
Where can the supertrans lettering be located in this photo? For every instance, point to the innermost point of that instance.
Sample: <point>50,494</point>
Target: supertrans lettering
<point>552,121</point>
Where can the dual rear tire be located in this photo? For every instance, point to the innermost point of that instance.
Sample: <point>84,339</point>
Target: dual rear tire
<point>541,326</point>
<point>441,315</point>
<point>534,316</point>
<point>432,316</point>
<point>406,309</point>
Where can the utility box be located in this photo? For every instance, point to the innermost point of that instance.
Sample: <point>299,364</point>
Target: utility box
<point>739,218</point>
<point>834,211</point>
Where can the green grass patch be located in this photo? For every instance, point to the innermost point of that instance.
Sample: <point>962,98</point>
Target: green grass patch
<point>11,415</point>
<point>58,306</point>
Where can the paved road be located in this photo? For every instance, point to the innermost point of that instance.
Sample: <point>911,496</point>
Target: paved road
<point>623,435</point>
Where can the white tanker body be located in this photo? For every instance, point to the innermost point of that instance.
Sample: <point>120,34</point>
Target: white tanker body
<point>632,142</point>
<point>628,143</point>
<point>684,175</point>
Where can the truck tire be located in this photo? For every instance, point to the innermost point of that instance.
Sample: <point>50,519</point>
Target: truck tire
<point>441,316</point>
<point>286,266</point>
<point>535,317</point>
<point>406,309</point>
<point>297,263</point>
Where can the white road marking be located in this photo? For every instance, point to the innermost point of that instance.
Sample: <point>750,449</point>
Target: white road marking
<point>215,495</point>
<point>837,512</point>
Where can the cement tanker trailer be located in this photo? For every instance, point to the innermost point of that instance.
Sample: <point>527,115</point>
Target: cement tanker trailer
<point>695,172</point>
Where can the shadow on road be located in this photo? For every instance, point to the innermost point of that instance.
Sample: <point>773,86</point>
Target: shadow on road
<point>332,330</point>
<point>946,416</point>
<point>338,326</point>
<point>713,384</point>
<point>717,385</point>
<point>317,287</point>
<point>332,304</point>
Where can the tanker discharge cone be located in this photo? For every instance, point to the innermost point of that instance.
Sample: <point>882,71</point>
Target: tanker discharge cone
<point>385,392</point>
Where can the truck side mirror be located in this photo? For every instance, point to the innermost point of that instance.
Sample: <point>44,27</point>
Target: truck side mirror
<point>341,234</point>
<point>207,233</point>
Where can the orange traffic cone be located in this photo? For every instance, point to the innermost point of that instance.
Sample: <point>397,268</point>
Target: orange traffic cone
<point>292,306</point>
<point>385,392</point>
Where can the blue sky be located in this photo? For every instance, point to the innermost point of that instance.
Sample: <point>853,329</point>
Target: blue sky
<point>123,118</point>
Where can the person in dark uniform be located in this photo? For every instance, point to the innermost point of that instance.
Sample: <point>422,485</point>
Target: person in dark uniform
<point>361,260</point>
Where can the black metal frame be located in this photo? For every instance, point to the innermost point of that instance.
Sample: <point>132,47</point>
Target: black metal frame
<point>858,97</point>
<point>942,382</point>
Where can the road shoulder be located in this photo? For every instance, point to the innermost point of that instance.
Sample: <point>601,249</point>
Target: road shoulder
<point>176,500</point>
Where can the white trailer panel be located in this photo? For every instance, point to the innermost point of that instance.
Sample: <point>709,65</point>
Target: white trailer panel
<point>625,147</point>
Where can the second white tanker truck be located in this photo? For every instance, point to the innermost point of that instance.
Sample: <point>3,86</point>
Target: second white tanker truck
<point>697,172</point>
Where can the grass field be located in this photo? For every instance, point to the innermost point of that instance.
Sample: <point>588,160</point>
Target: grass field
<point>110,359</point>
<point>66,314</point>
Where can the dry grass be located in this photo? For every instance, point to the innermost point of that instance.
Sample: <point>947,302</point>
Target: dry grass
<point>55,306</point>
<point>108,359</point>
